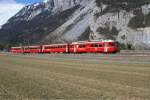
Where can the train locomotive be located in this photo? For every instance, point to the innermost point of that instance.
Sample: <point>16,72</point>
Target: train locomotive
<point>103,46</point>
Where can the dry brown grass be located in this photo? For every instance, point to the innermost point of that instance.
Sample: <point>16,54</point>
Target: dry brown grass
<point>31,78</point>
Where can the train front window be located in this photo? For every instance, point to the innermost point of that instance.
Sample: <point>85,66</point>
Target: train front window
<point>111,44</point>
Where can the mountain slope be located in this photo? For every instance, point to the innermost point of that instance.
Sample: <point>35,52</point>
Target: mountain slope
<point>33,22</point>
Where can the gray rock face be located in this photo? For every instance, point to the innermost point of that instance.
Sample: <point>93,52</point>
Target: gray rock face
<point>126,33</point>
<point>64,4</point>
<point>139,38</point>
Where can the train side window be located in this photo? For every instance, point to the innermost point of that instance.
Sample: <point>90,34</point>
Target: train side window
<point>34,48</point>
<point>17,49</point>
<point>100,45</point>
<point>26,48</point>
<point>47,47</point>
<point>94,45</point>
<point>71,46</point>
<point>81,46</point>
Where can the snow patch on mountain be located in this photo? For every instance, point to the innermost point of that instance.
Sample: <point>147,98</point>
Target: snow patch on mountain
<point>45,1</point>
<point>54,6</point>
<point>30,11</point>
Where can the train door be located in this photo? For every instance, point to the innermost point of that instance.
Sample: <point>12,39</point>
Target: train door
<point>88,47</point>
<point>68,48</point>
<point>105,47</point>
<point>41,49</point>
<point>76,46</point>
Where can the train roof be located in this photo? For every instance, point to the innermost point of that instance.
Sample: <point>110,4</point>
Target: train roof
<point>32,46</point>
<point>55,44</point>
<point>108,41</point>
<point>26,46</point>
<point>15,47</point>
<point>93,41</point>
<point>78,42</point>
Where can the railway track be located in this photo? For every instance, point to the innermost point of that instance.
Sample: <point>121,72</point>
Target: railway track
<point>122,57</point>
<point>122,52</point>
<point>135,52</point>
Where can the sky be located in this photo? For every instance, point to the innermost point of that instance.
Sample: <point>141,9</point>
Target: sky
<point>28,1</point>
<point>9,8</point>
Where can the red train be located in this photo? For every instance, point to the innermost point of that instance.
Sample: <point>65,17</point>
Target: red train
<point>104,46</point>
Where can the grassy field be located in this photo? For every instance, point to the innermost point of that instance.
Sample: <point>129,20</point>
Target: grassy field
<point>34,78</point>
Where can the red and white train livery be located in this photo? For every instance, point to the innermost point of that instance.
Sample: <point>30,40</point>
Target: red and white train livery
<point>104,46</point>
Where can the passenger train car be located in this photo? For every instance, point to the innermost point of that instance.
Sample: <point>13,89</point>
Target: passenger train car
<point>104,46</point>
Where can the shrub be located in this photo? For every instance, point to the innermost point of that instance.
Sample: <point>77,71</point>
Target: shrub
<point>1,47</point>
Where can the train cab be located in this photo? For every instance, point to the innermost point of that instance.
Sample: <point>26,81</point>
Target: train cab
<point>110,46</point>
